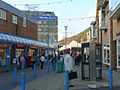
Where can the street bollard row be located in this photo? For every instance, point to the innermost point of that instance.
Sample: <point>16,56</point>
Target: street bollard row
<point>110,77</point>
<point>22,76</point>
<point>34,74</point>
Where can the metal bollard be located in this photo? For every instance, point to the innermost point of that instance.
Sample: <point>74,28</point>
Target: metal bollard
<point>67,80</point>
<point>22,67</point>
<point>8,63</point>
<point>110,77</point>
<point>34,71</point>
<point>22,81</point>
<point>15,75</point>
<point>47,66</point>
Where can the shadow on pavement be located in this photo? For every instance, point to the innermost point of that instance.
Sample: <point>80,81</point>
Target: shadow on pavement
<point>102,88</point>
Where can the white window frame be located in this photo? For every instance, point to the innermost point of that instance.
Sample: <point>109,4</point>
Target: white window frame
<point>118,54</point>
<point>24,21</point>
<point>93,33</point>
<point>105,58</point>
<point>3,14</point>
<point>14,19</point>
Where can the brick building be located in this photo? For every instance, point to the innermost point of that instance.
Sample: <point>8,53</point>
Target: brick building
<point>18,34</point>
<point>109,33</point>
<point>114,8</point>
<point>14,21</point>
<point>104,30</point>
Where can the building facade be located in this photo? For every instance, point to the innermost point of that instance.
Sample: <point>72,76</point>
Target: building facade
<point>15,22</point>
<point>109,32</point>
<point>18,34</point>
<point>114,8</point>
<point>104,30</point>
<point>47,26</point>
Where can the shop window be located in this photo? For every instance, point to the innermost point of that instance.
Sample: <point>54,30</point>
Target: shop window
<point>2,14</point>
<point>106,54</point>
<point>103,18</point>
<point>118,53</point>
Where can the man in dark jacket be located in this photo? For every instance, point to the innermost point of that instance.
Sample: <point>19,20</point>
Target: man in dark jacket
<point>78,59</point>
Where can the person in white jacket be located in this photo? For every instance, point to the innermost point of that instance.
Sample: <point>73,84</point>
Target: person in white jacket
<point>68,63</point>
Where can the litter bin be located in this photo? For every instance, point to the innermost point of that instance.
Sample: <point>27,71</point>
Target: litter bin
<point>59,66</point>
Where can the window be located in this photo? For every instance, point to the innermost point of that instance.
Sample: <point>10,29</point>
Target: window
<point>2,14</point>
<point>97,54</point>
<point>24,21</point>
<point>93,31</point>
<point>39,22</point>
<point>14,19</point>
<point>118,53</point>
<point>106,54</point>
<point>44,22</point>
<point>102,18</point>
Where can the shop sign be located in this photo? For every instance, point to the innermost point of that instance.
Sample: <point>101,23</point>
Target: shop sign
<point>46,17</point>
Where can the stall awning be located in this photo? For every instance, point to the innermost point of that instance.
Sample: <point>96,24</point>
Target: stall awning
<point>12,39</point>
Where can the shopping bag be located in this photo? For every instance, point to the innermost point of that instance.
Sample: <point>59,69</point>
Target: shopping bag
<point>73,75</point>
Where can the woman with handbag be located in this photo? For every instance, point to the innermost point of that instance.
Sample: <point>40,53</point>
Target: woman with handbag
<point>69,65</point>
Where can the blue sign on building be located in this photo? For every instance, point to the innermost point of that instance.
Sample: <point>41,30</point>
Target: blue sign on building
<point>46,17</point>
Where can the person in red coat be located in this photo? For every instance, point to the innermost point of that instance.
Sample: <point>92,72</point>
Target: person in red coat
<point>29,60</point>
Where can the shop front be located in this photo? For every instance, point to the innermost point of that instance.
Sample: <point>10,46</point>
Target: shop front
<point>12,46</point>
<point>3,54</point>
<point>115,45</point>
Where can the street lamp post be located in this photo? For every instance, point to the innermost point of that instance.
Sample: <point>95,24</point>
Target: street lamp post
<point>66,36</point>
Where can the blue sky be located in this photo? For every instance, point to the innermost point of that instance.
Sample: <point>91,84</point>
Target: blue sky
<point>72,13</point>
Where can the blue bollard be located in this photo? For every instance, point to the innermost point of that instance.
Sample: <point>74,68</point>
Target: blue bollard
<point>67,80</point>
<point>15,75</point>
<point>110,78</point>
<point>22,81</point>
<point>47,66</point>
<point>22,67</point>
<point>34,71</point>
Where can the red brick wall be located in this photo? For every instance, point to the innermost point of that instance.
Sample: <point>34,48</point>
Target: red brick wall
<point>31,29</point>
<point>6,26</point>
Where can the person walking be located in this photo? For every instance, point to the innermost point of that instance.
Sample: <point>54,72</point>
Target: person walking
<point>22,61</point>
<point>42,60</point>
<point>69,64</point>
<point>33,60</point>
